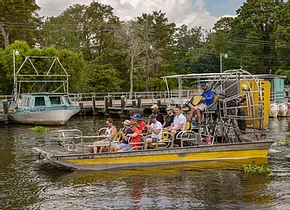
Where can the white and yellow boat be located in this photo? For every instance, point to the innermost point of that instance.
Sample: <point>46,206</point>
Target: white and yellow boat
<point>73,159</point>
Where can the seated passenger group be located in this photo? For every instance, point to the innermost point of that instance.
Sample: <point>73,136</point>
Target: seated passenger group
<point>131,133</point>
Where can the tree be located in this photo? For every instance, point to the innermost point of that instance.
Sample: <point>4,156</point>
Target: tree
<point>281,36</point>
<point>104,78</point>
<point>222,33</point>
<point>88,29</point>
<point>19,20</point>
<point>67,31</point>
<point>187,48</point>
<point>158,38</point>
<point>73,63</point>
<point>133,46</point>
<point>250,35</point>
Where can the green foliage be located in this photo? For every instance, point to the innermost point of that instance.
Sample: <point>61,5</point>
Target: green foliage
<point>39,129</point>
<point>250,35</point>
<point>286,143</point>
<point>20,20</point>
<point>87,29</point>
<point>156,84</point>
<point>73,63</point>
<point>281,35</point>
<point>255,169</point>
<point>104,78</point>
<point>97,49</point>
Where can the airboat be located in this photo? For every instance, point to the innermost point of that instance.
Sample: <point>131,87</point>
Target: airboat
<point>41,96</point>
<point>233,128</point>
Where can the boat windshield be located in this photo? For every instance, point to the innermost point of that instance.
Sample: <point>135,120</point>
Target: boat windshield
<point>67,100</point>
<point>56,100</point>
<point>26,101</point>
<point>39,101</point>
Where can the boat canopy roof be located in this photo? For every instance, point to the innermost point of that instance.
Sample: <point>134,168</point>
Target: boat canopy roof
<point>227,74</point>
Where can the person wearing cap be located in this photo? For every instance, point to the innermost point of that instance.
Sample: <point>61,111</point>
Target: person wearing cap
<point>169,118</point>
<point>206,100</point>
<point>135,138</point>
<point>159,116</point>
<point>124,137</point>
<point>139,120</point>
<point>155,129</point>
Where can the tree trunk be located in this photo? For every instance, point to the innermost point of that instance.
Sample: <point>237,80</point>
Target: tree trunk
<point>131,76</point>
<point>5,35</point>
<point>147,56</point>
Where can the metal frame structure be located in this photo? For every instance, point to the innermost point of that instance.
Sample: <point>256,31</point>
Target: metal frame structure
<point>226,87</point>
<point>39,76</point>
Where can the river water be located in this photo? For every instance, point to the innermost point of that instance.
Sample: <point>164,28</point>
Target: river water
<point>26,183</point>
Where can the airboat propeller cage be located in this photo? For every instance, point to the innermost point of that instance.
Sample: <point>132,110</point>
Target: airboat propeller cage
<point>234,85</point>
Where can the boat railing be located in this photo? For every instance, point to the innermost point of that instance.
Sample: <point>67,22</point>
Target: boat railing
<point>74,140</point>
<point>138,145</point>
<point>86,143</point>
<point>66,137</point>
<point>187,138</point>
<point>166,140</point>
<point>82,143</point>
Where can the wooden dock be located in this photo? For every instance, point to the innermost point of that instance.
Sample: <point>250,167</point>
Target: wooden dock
<point>121,107</point>
<point>122,103</point>
<point>113,103</point>
<point>4,112</point>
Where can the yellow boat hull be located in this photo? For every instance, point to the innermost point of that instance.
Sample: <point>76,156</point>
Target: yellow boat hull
<point>205,153</point>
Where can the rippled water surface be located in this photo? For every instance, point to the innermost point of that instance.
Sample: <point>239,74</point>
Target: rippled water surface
<point>26,183</point>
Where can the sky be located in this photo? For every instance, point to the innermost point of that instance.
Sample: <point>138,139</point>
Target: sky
<point>193,13</point>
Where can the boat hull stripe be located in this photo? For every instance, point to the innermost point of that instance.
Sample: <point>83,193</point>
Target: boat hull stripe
<point>201,156</point>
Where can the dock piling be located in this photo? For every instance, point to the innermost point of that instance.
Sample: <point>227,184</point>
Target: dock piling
<point>139,101</point>
<point>123,102</point>
<point>110,101</point>
<point>106,102</point>
<point>5,107</point>
<point>159,102</point>
<point>94,105</point>
<point>81,108</point>
<point>134,104</point>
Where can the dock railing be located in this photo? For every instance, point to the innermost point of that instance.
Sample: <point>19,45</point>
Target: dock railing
<point>171,97</point>
<point>121,100</point>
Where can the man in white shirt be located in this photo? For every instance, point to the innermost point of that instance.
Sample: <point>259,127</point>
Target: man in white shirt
<point>179,121</point>
<point>155,129</point>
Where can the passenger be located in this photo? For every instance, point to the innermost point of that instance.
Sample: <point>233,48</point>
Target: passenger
<point>124,140</point>
<point>178,122</point>
<point>206,100</point>
<point>139,120</point>
<point>110,133</point>
<point>131,115</point>
<point>155,129</point>
<point>135,138</point>
<point>159,116</point>
<point>169,118</point>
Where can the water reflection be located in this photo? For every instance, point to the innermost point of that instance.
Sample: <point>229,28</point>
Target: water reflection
<point>203,185</point>
<point>27,184</point>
